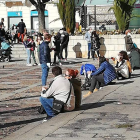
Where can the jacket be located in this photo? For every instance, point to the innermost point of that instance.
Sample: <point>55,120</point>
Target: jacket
<point>44,52</point>
<point>76,83</point>
<point>108,71</point>
<point>122,68</point>
<point>58,91</point>
<point>134,59</point>
<point>88,37</point>
<point>64,39</point>
<point>87,67</point>
<point>21,26</point>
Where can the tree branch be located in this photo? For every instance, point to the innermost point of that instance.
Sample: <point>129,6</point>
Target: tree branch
<point>33,3</point>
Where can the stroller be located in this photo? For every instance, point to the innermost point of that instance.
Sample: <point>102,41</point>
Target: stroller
<point>86,70</point>
<point>5,52</point>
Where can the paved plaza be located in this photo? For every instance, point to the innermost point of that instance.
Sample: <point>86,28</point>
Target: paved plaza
<point>112,113</point>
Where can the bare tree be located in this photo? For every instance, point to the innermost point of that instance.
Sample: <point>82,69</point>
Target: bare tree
<point>40,7</point>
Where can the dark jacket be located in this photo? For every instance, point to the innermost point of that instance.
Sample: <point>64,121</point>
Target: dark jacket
<point>64,39</point>
<point>128,42</point>
<point>27,44</point>
<point>76,83</point>
<point>95,42</point>
<point>108,72</point>
<point>134,59</point>
<point>44,52</point>
<point>21,26</point>
<point>57,42</point>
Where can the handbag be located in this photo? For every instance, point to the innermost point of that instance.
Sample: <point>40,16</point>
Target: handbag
<point>70,103</point>
<point>57,106</point>
<point>41,110</point>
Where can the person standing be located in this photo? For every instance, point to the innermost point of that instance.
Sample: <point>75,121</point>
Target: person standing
<point>57,48</point>
<point>88,39</point>
<point>44,58</point>
<point>95,43</point>
<point>21,31</point>
<point>2,22</point>
<point>64,43</point>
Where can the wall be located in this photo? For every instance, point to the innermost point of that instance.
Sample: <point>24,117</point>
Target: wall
<point>111,45</point>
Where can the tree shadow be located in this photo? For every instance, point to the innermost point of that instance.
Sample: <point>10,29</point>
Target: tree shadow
<point>77,50</point>
<point>102,49</point>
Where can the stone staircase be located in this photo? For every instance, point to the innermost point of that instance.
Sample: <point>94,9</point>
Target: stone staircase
<point>18,51</point>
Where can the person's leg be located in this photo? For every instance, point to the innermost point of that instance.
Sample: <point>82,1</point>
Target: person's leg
<point>92,53</point>
<point>61,52</point>
<point>18,37</point>
<point>45,70</point>
<point>66,53</point>
<point>55,54</point>
<point>98,54</point>
<point>94,80</point>
<point>22,37</point>
<point>33,56</point>
<point>89,48</point>
<point>28,56</point>
<point>47,103</point>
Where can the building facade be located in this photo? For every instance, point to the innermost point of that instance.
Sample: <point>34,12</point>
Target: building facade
<point>14,14</point>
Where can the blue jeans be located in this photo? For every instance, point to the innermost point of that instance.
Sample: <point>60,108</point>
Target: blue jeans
<point>47,103</point>
<point>89,50</point>
<point>28,56</point>
<point>45,70</point>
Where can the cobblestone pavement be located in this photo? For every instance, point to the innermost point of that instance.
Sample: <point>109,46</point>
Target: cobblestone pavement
<point>20,88</point>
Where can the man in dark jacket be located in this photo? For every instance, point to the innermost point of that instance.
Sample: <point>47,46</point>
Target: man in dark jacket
<point>64,43</point>
<point>44,52</point>
<point>21,30</point>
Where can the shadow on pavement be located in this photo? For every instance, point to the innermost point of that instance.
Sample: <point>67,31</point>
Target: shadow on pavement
<point>94,105</point>
<point>13,111</point>
<point>21,98</point>
<point>124,82</point>
<point>20,122</point>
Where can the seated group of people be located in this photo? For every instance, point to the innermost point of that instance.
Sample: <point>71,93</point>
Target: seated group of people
<point>105,74</point>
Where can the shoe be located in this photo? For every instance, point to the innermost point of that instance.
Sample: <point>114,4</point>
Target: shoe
<point>93,58</point>
<point>35,64</point>
<point>46,119</point>
<point>29,65</point>
<point>88,58</point>
<point>86,95</point>
<point>95,90</point>
<point>60,64</point>
<point>65,60</point>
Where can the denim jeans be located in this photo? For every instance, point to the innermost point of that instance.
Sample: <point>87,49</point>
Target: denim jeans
<point>45,70</point>
<point>28,56</point>
<point>47,103</point>
<point>89,50</point>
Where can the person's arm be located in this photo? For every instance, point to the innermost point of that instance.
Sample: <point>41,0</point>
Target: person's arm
<point>49,92</point>
<point>86,37</point>
<point>101,68</point>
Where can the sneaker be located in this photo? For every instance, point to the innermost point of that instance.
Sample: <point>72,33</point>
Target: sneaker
<point>65,60</point>
<point>46,119</point>
<point>29,65</point>
<point>60,64</point>
<point>35,64</point>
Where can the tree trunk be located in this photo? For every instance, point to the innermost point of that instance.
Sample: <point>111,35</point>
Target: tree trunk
<point>41,16</point>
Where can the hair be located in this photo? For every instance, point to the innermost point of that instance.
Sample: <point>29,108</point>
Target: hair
<point>56,71</point>
<point>25,38</point>
<point>45,30</point>
<point>124,54</point>
<point>2,19</point>
<point>101,60</point>
<point>73,73</point>
<point>47,37</point>
<point>41,38</point>
<point>127,31</point>
<point>21,19</point>
<point>64,29</point>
